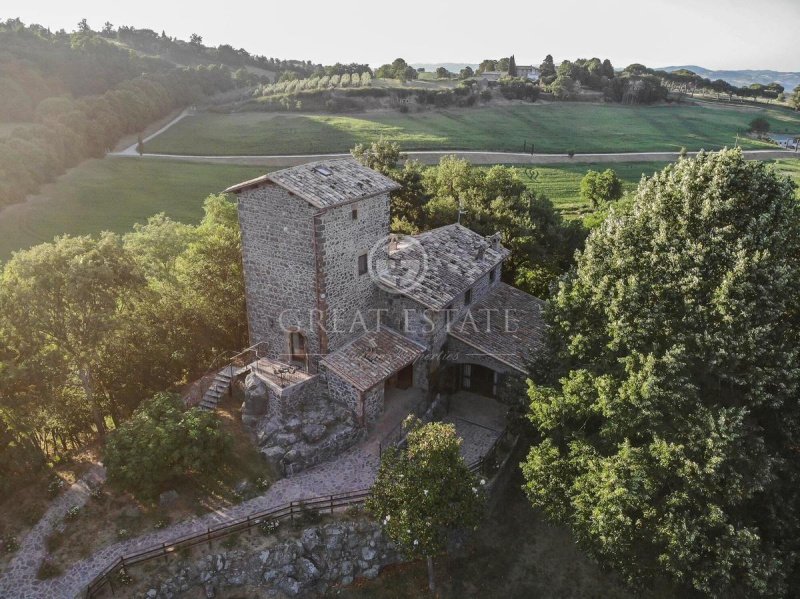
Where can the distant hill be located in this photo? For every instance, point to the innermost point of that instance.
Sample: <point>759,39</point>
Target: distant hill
<point>453,67</point>
<point>744,77</point>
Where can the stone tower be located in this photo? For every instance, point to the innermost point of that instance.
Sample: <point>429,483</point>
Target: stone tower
<point>306,234</point>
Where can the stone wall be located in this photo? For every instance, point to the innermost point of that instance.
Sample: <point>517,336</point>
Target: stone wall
<point>429,327</point>
<point>279,266</point>
<point>348,293</point>
<point>290,564</point>
<point>298,427</point>
<point>373,403</point>
<point>342,392</point>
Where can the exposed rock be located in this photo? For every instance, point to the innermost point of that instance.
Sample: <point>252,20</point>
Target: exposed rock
<point>243,488</point>
<point>313,432</point>
<point>168,498</point>
<point>303,565</point>
<point>133,511</point>
<point>294,425</point>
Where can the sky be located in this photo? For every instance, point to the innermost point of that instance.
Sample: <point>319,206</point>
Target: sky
<point>715,34</point>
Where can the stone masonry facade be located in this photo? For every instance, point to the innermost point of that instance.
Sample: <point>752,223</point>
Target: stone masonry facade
<point>307,234</point>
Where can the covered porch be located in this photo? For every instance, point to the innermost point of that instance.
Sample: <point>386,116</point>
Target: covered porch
<point>360,373</point>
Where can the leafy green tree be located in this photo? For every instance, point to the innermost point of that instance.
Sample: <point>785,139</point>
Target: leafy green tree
<point>795,99</point>
<point>487,65</point>
<point>599,188</point>
<point>212,281</point>
<point>163,442</point>
<point>547,70</point>
<point>759,125</point>
<point>69,295</point>
<point>426,491</point>
<point>442,73</point>
<point>382,155</point>
<point>466,72</point>
<point>669,408</point>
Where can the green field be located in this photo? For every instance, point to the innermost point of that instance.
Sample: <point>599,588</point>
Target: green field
<point>554,128</point>
<point>113,194</point>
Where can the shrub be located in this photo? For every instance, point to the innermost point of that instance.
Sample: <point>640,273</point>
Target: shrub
<point>123,533</point>
<point>10,544</point>
<point>124,578</point>
<point>268,527</point>
<point>759,125</point>
<point>164,441</point>
<point>161,523</point>
<point>571,153</point>
<point>72,513</point>
<point>54,486</point>
<point>230,541</point>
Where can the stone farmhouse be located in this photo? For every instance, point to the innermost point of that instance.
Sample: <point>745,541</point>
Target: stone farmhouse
<point>343,312</point>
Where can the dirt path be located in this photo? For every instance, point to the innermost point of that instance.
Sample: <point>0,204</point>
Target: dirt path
<point>131,149</point>
<point>473,156</point>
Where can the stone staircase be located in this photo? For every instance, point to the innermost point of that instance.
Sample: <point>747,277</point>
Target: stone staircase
<point>219,388</point>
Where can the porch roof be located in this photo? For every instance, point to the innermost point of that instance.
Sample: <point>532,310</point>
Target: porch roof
<point>373,357</point>
<point>514,340</point>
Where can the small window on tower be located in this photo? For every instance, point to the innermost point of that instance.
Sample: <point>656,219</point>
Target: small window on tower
<point>362,264</point>
<point>355,213</point>
<point>492,275</point>
<point>468,297</point>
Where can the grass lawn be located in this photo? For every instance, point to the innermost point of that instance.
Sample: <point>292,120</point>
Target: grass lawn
<point>561,183</point>
<point>555,128</point>
<point>113,194</point>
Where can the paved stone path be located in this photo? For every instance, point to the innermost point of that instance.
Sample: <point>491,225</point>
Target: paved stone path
<point>19,576</point>
<point>352,471</point>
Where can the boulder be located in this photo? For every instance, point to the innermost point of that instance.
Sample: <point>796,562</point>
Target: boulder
<point>307,570</point>
<point>313,432</point>
<point>167,498</point>
<point>368,553</point>
<point>243,488</point>
<point>371,573</point>
<point>292,456</point>
<point>274,455</point>
<point>310,539</point>
<point>286,439</point>
<point>290,586</point>
<point>294,425</point>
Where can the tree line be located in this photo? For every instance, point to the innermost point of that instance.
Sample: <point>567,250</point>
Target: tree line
<point>44,84</point>
<point>91,326</point>
<point>485,200</point>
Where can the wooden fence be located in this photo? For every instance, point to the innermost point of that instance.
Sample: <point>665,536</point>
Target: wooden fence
<point>327,504</point>
<point>295,509</point>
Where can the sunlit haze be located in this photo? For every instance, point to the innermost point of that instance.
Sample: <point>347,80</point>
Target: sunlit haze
<point>716,34</point>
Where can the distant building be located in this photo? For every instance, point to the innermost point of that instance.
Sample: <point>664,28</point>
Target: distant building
<point>528,72</point>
